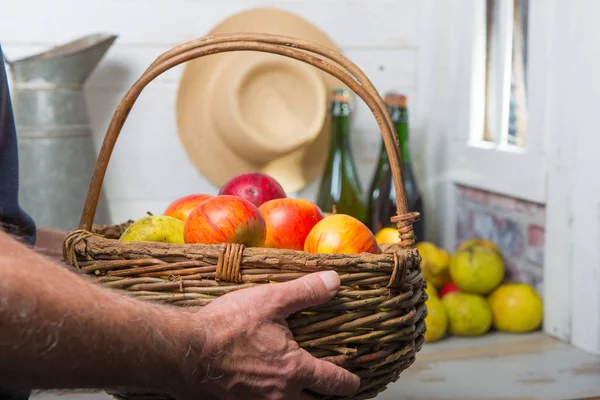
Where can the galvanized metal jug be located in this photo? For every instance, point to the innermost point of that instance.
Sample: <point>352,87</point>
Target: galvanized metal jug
<point>56,150</point>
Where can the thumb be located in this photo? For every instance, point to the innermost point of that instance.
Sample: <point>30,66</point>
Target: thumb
<point>309,291</point>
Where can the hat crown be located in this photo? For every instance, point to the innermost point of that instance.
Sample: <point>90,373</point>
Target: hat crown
<point>267,106</point>
<point>285,134</point>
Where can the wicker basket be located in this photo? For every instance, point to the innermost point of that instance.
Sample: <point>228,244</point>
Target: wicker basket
<point>373,327</point>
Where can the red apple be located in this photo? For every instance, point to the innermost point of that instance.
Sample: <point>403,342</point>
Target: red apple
<point>255,187</point>
<point>289,221</point>
<point>225,219</point>
<point>342,234</point>
<point>182,207</point>
<point>448,288</point>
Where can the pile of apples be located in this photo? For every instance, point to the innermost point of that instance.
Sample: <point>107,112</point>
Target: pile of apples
<point>253,209</point>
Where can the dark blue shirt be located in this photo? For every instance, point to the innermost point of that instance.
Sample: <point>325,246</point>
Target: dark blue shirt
<point>13,219</point>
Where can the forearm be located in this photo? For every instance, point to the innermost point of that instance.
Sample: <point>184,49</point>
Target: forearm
<point>58,330</point>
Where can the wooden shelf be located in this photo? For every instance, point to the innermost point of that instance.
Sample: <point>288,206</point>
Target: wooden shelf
<point>499,366</point>
<point>492,367</point>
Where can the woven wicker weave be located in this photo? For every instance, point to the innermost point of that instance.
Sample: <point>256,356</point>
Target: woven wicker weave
<point>375,324</point>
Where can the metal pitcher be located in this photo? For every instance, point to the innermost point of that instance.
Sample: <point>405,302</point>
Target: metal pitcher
<point>56,150</point>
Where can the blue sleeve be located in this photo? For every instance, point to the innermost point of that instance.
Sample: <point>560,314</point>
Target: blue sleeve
<point>13,219</point>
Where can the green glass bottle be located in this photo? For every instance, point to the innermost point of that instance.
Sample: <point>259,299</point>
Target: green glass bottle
<point>382,195</point>
<point>340,190</point>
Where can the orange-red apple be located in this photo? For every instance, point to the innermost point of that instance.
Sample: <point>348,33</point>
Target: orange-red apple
<point>342,234</point>
<point>255,187</point>
<point>289,221</point>
<point>182,207</point>
<point>225,219</point>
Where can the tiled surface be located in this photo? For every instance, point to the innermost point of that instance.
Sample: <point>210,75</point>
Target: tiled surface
<point>517,226</point>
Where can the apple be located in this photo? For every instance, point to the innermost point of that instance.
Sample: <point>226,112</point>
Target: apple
<point>343,234</point>
<point>155,228</point>
<point>289,221</point>
<point>225,219</point>
<point>182,207</point>
<point>448,288</point>
<point>387,235</point>
<point>256,187</point>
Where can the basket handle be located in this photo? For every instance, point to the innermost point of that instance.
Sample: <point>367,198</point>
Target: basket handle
<point>311,53</point>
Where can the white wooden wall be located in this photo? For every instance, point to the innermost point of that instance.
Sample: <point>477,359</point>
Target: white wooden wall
<point>149,167</point>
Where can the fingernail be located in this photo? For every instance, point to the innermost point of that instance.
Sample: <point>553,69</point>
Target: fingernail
<point>330,279</point>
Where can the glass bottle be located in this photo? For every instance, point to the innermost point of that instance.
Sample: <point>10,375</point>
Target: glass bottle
<point>382,197</point>
<point>340,190</point>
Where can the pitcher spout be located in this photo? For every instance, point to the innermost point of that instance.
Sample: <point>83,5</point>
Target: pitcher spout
<point>69,64</point>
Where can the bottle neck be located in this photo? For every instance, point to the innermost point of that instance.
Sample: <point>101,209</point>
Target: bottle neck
<point>340,120</point>
<point>399,117</point>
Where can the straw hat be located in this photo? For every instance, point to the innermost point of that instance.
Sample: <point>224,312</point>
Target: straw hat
<point>250,111</point>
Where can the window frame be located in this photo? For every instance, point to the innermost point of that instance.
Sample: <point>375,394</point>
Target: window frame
<point>494,166</point>
<point>552,169</point>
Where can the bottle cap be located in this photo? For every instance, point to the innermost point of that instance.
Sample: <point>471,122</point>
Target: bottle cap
<point>394,100</point>
<point>341,95</point>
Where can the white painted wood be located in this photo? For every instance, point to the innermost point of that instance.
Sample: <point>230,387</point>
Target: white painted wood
<point>434,116</point>
<point>539,87</point>
<point>510,171</point>
<point>149,165</point>
<point>469,96</point>
<point>499,99</point>
<point>383,23</point>
<point>387,68</point>
<point>558,250</point>
<point>499,366</point>
<point>148,161</point>
<point>125,209</point>
<point>121,66</point>
<point>573,207</point>
<point>491,166</point>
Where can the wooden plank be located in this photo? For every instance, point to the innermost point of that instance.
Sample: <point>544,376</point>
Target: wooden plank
<point>500,171</point>
<point>149,161</point>
<point>558,254</point>
<point>383,23</point>
<point>573,231</point>
<point>122,210</point>
<point>499,366</point>
<point>123,64</point>
<point>434,119</point>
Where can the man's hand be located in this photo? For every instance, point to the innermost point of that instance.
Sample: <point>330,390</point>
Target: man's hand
<point>249,352</point>
<point>59,331</point>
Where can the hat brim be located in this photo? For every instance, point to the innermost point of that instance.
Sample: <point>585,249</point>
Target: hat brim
<point>206,149</point>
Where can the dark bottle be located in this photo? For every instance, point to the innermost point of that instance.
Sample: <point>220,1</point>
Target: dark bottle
<point>340,190</point>
<point>382,197</point>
